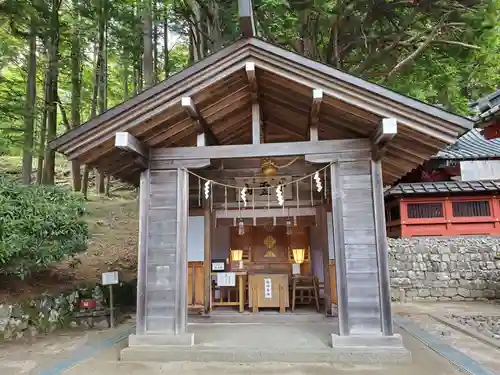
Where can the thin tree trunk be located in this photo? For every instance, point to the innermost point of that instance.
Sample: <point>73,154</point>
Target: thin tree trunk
<point>134,81</point>
<point>85,181</point>
<point>75,92</point>
<point>43,131</point>
<point>125,79</point>
<point>165,44</point>
<point>102,81</point>
<point>29,108</point>
<point>53,49</point>
<point>93,113</point>
<point>155,43</point>
<point>148,44</point>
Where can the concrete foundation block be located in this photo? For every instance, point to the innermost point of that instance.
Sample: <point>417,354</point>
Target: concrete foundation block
<point>372,348</point>
<point>184,339</point>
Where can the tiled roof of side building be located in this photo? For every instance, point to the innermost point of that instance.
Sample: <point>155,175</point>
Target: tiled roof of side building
<point>472,145</point>
<point>443,187</point>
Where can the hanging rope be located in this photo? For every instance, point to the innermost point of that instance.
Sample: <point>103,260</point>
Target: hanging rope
<point>212,182</point>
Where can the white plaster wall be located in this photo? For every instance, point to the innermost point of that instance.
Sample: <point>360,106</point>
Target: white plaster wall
<point>196,235</point>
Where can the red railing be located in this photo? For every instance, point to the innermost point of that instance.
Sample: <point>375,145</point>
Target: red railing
<point>443,216</point>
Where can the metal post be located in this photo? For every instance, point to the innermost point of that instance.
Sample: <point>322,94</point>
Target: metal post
<point>338,238</point>
<point>111,307</point>
<point>382,249</point>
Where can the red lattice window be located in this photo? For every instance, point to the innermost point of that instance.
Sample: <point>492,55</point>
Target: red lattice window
<point>424,210</point>
<point>471,209</point>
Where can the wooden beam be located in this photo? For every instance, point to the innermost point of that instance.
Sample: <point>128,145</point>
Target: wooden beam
<point>386,131</point>
<point>272,212</point>
<point>175,164</point>
<point>247,26</point>
<point>200,124</point>
<point>252,79</point>
<point>256,123</point>
<point>335,147</point>
<point>127,142</point>
<point>256,110</point>
<point>314,114</point>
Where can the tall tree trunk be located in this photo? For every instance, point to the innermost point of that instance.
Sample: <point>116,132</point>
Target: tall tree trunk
<point>85,181</point>
<point>102,80</point>
<point>96,82</point>
<point>147,20</point>
<point>196,24</point>
<point>166,56</point>
<point>134,81</point>
<point>125,79</point>
<point>155,42</point>
<point>75,92</point>
<point>29,109</point>
<point>53,49</point>
<point>93,113</point>
<point>43,131</point>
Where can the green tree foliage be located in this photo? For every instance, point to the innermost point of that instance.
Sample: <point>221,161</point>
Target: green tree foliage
<point>39,225</point>
<point>439,51</point>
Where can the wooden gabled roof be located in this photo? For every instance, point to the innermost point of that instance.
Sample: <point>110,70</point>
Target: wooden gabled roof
<point>218,86</point>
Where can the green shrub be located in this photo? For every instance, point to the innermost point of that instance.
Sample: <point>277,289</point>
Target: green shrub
<point>39,225</point>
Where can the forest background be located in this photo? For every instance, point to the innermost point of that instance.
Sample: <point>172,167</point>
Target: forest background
<point>65,61</point>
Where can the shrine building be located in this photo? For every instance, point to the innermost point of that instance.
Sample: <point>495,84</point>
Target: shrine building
<point>261,179</point>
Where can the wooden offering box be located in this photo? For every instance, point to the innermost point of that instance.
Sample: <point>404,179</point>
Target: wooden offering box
<point>268,290</point>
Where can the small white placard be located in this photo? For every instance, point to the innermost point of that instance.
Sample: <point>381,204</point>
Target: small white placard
<point>218,266</point>
<point>296,269</point>
<point>226,279</point>
<point>110,278</point>
<point>268,288</point>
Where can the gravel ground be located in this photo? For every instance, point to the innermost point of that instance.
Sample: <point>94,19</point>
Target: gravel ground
<point>486,324</point>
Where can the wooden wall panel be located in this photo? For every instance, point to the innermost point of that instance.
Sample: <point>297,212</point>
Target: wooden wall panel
<point>162,240</point>
<point>196,284</point>
<point>333,282</point>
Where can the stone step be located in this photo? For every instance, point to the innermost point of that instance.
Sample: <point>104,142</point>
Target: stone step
<point>246,355</point>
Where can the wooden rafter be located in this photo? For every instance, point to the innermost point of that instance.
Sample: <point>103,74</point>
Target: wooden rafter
<point>386,131</point>
<point>317,98</point>
<point>201,126</point>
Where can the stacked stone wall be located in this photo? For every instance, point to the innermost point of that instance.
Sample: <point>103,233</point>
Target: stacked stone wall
<point>444,268</point>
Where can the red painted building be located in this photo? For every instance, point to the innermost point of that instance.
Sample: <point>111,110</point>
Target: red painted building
<point>457,192</point>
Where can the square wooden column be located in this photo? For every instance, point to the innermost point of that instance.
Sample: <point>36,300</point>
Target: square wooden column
<point>207,257</point>
<point>382,248</point>
<point>162,278</point>
<point>360,287</point>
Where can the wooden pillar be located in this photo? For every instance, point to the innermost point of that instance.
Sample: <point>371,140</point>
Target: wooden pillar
<point>338,238</point>
<point>208,231</point>
<point>382,249</point>
<point>181,256</point>
<point>163,266</point>
<point>142,252</point>
<point>322,223</point>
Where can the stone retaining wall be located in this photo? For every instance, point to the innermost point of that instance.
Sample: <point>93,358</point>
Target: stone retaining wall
<point>444,268</point>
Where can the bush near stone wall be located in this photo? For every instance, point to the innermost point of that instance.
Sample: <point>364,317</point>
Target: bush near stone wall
<point>444,268</point>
